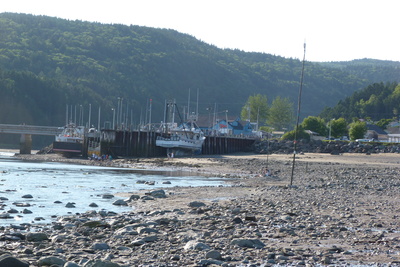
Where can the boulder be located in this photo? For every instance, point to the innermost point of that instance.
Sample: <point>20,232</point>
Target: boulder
<point>196,204</point>
<point>120,202</point>
<point>51,261</point>
<point>7,260</point>
<point>36,237</point>
<point>248,243</point>
<point>196,245</point>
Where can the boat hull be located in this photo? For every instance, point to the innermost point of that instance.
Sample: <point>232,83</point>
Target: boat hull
<point>179,144</point>
<point>68,148</point>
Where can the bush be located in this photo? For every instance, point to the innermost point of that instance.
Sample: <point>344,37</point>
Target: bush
<point>301,134</point>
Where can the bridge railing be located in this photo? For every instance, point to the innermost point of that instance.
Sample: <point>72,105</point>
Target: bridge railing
<point>30,129</point>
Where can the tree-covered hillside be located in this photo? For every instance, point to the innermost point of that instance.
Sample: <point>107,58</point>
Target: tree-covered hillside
<point>375,102</point>
<point>47,63</point>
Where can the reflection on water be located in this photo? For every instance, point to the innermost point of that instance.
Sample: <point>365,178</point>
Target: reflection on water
<point>53,185</point>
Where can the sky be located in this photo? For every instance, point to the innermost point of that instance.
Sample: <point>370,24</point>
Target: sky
<point>339,30</point>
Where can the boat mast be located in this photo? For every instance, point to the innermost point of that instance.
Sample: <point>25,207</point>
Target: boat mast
<point>188,111</point>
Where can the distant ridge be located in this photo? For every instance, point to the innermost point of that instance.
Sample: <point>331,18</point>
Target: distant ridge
<point>47,63</point>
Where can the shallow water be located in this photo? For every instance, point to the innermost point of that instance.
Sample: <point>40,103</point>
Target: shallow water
<point>49,182</point>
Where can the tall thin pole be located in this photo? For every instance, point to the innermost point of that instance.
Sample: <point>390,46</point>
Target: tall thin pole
<point>119,101</point>
<point>298,115</point>
<point>151,101</point>
<point>90,114</point>
<point>197,105</point>
<point>113,125</point>
<point>66,117</point>
<point>188,110</point>
<point>98,122</point>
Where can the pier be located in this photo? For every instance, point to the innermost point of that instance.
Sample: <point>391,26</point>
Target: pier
<point>129,143</point>
<point>143,144</point>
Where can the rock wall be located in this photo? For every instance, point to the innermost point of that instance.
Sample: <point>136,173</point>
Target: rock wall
<point>318,146</point>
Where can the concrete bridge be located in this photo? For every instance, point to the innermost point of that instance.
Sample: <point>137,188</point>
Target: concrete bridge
<point>26,132</point>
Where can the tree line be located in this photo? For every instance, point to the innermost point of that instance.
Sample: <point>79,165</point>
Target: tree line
<point>47,63</point>
<point>376,104</point>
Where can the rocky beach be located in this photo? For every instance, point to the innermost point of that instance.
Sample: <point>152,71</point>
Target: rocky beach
<point>341,209</point>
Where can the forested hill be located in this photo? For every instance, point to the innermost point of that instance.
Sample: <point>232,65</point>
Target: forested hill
<point>375,102</point>
<point>47,63</point>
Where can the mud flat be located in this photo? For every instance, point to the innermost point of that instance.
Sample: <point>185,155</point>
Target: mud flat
<point>341,209</point>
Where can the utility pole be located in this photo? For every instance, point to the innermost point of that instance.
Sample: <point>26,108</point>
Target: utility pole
<point>298,115</point>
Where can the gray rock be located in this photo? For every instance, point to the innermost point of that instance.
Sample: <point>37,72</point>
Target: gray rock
<point>100,246</point>
<point>158,193</point>
<point>50,261</point>
<point>213,254</point>
<point>151,238</point>
<point>196,204</point>
<point>147,198</point>
<point>5,216</point>
<point>196,245</point>
<point>93,205</point>
<point>107,196</point>
<point>26,211</point>
<point>99,263</point>
<point>120,202</point>
<point>138,242</point>
<point>248,243</point>
<point>36,237</point>
<point>146,230</point>
<point>12,211</point>
<point>127,230</point>
<point>209,262</point>
<point>18,204</point>
<point>133,197</point>
<point>27,196</point>
<point>7,260</point>
<point>70,205</point>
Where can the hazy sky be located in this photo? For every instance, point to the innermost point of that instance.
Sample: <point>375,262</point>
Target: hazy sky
<point>333,30</point>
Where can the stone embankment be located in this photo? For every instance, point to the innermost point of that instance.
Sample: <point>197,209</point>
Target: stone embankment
<point>318,146</point>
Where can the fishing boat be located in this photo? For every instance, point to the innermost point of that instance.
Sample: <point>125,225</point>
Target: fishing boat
<point>184,137</point>
<point>70,141</point>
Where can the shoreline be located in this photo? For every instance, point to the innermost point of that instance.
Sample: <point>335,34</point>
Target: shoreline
<point>341,209</point>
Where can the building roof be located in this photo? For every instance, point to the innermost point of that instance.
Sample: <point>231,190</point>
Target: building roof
<point>375,128</point>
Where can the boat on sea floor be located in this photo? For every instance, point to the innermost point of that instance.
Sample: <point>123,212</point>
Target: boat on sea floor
<point>71,140</point>
<point>184,139</point>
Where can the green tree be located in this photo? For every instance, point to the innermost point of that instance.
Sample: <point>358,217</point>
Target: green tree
<point>255,109</point>
<point>383,123</point>
<point>338,127</point>
<point>301,134</point>
<point>357,130</point>
<point>315,124</point>
<point>281,113</point>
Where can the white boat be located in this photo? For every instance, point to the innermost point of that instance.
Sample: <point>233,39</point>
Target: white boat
<point>188,138</point>
<point>70,141</point>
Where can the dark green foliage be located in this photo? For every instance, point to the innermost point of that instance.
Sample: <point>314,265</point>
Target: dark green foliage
<point>376,101</point>
<point>315,124</point>
<point>357,130</point>
<point>48,62</point>
<point>338,127</point>
<point>383,123</point>
<point>301,135</point>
